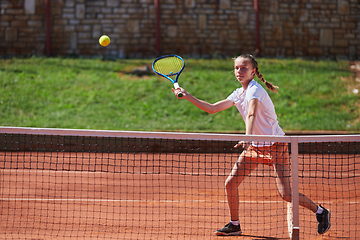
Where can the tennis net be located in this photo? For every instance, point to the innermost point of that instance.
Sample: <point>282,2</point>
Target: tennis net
<point>58,183</point>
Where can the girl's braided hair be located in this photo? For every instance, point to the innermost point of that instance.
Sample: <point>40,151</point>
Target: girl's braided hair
<point>254,64</point>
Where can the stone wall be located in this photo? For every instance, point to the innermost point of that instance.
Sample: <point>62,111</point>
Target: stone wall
<point>328,28</point>
<point>197,28</point>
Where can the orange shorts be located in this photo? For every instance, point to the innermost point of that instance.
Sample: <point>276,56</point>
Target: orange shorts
<point>276,153</point>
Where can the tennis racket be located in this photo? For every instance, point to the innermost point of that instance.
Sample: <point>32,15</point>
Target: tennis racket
<point>169,67</point>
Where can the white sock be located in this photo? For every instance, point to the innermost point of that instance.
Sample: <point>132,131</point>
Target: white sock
<point>319,210</point>
<point>235,223</point>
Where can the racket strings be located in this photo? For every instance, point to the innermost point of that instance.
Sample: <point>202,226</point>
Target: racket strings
<point>168,66</point>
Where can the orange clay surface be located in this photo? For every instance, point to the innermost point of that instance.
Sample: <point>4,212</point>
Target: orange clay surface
<point>150,196</point>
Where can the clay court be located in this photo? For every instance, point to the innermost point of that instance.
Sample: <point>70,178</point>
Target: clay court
<point>62,195</point>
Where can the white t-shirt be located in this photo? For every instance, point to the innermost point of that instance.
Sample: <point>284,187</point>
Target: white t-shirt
<point>265,120</point>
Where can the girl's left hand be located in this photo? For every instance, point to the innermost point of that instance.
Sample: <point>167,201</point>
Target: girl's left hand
<point>244,144</point>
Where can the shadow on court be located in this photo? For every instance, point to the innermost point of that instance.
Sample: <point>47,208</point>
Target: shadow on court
<point>248,237</point>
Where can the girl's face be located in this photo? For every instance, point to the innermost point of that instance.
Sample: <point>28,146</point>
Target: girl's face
<point>244,71</point>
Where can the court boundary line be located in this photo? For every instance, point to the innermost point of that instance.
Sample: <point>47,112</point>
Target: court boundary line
<point>147,200</point>
<point>266,173</point>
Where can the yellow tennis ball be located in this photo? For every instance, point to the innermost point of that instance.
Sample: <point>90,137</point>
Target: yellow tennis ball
<point>104,40</point>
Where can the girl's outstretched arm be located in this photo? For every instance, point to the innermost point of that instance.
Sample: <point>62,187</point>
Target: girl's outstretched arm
<point>203,105</point>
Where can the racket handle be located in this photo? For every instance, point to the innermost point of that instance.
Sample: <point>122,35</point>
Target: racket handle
<point>176,86</point>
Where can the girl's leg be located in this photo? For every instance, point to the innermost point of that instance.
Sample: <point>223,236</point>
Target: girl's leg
<point>240,171</point>
<point>283,184</point>
<point>282,171</point>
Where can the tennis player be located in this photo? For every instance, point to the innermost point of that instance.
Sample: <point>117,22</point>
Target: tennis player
<point>258,112</point>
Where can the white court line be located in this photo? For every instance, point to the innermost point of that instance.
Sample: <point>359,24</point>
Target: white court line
<point>139,200</point>
<point>124,200</point>
<point>265,173</point>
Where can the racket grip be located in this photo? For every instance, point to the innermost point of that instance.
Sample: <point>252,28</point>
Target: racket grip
<point>176,86</point>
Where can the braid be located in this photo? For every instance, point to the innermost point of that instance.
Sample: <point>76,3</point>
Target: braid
<point>269,85</point>
<point>254,63</point>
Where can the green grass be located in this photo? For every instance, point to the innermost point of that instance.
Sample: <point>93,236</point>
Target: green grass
<point>91,94</point>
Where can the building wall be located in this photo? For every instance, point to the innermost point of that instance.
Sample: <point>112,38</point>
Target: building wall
<point>197,28</point>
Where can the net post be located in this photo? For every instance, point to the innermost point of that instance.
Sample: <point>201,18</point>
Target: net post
<point>295,188</point>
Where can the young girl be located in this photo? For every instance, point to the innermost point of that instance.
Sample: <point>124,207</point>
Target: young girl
<point>258,112</point>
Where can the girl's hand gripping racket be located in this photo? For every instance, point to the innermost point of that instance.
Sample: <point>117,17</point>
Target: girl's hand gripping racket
<point>169,67</point>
